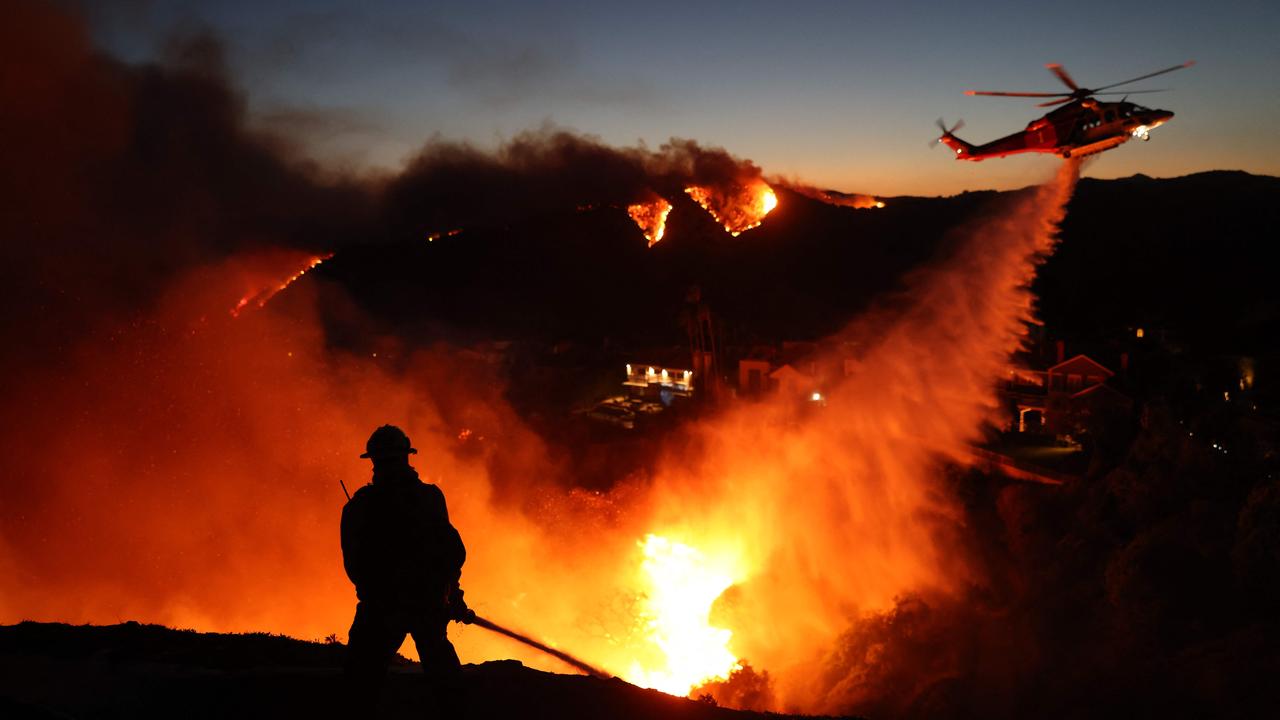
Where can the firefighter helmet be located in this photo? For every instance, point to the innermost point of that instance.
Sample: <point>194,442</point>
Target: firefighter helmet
<point>388,441</point>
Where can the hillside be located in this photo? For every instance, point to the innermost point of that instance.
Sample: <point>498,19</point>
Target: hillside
<point>52,670</point>
<point>1181,253</point>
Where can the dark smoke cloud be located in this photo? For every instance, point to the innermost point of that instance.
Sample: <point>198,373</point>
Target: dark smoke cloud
<point>161,458</point>
<point>118,177</point>
<point>450,185</point>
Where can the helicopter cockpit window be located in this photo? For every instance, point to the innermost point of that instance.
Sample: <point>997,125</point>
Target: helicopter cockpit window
<point>1111,115</point>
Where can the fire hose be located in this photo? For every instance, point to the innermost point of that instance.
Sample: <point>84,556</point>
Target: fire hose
<point>558,654</point>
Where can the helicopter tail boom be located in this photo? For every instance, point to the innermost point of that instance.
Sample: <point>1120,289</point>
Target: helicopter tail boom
<point>949,139</point>
<point>961,148</point>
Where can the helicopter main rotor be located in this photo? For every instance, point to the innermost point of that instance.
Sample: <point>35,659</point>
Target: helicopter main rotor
<point>1077,92</point>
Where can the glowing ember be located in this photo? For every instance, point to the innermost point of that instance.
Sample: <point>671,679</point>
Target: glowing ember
<point>682,584</point>
<point>437,235</point>
<point>740,208</point>
<point>651,217</point>
<point>263,294</point>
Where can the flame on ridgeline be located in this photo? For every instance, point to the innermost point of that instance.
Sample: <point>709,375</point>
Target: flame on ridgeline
<point>444,234</point>
<point>264,292</point>
<point>651,217</point>
<point>739,207</point>
<point>857,201</point>
<point>850,200</point>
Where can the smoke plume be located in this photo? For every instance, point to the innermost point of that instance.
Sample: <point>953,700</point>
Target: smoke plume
<point>453,185</point>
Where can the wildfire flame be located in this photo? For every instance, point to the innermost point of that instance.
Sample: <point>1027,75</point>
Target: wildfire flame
<point>651,217</point>
<point>681,585</point>
<point>438,235</point>
<point>857,201</point>
<point>740,208</point>
<point>264,293</point>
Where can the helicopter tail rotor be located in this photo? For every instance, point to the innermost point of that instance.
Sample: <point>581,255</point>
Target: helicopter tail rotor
<point>949,139</point>
<point>945,132</point>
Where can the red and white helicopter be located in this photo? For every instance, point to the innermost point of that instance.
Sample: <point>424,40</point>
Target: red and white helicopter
<point>1082,126</point>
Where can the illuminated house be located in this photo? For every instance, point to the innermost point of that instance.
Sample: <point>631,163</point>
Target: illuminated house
<point>791,382</point>
<point>799,379</point>
<point>655,381</point>
<point>1059,400</point>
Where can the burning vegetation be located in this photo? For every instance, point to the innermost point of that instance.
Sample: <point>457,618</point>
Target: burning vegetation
<point>263,292</point>
<point>737,208</point>
<point>651,218</point>
<point>856,201</point>
<point>853,200</point>
<point>680,585</point>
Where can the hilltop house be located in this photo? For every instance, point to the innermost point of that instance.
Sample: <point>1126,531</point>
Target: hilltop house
<point>1060,399</point>
<point>792,371</point>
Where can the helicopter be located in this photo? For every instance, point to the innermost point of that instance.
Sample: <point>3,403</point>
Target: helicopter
<point>1083,125</point>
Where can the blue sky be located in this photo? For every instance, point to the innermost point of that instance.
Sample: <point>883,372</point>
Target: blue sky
<point>841,94</point>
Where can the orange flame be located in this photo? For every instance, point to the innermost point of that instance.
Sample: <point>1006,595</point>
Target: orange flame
<point>265,292</point>
<point>681,585</point>
<point>739,208</point>
<point>857,201</point>
<point>651,217</point>
<point>438,235</point>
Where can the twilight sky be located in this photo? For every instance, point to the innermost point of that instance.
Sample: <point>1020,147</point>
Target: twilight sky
<point>841,94</point>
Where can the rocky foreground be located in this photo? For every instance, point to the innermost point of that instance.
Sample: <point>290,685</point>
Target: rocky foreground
<point>52,670</point>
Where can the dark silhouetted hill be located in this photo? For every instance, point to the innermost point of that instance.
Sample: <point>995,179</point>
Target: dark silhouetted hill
<point>1185,253</point>
<point>52,670</point>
